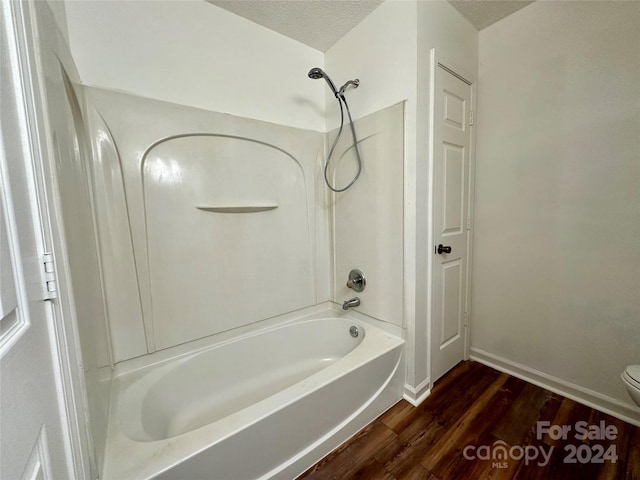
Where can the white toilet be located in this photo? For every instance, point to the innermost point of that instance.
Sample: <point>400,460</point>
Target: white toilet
<point>631,379</point>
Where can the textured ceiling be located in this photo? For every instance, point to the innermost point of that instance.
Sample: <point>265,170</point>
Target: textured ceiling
<point>317,23</point>
<point>321,23</point>
<point>482,13</point>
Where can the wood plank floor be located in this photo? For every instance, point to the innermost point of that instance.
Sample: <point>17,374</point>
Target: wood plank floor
<point>475,406</point>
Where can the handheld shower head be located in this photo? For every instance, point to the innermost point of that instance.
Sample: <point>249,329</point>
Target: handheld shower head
<point>316,73</point>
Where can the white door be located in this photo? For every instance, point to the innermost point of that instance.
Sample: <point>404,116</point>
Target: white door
<point>450,220</point>
<point>33,444</point>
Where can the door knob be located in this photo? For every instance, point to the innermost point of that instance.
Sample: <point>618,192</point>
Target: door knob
<point>443,249</point>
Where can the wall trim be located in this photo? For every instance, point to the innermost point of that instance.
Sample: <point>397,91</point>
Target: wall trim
<point>590,398</point>
<point>418,394</point>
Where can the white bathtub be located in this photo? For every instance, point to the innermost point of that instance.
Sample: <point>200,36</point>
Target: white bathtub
<point>266,405</point>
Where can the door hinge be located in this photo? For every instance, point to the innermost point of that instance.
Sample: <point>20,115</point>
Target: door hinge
<point>468,222</point>
<point>466,319</point>
<point>50,287</point>
<point>470,117</point>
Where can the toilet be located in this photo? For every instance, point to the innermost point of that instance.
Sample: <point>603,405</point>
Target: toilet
<point>631,379</point>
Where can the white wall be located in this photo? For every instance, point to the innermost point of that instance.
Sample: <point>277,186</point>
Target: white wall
<point>441,27</point>
<point>381,51</point>
<point>389,52</point>
<point>196,54</point>
<point>556,279</point>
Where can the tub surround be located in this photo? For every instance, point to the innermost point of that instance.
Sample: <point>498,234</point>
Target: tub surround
<point>175,272</point>
<point>211,226</point>
<point>171,263</point>
<point>367,218</point>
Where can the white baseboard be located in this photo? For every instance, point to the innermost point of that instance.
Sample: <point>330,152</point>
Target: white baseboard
<point>416,395</point>
<point>614,407</point>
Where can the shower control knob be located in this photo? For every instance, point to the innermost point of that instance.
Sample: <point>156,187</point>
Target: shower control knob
<point>356,281</point>
<point>443,249</point>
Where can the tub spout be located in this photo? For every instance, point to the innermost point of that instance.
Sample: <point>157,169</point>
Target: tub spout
<point>354,302</point>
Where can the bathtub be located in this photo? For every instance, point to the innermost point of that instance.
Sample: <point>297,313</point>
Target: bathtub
<point>268,404</point>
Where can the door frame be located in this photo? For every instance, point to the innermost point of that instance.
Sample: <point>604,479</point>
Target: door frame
<point>63,333</point>
<point>437,59</point>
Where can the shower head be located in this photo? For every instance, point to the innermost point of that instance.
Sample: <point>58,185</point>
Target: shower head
<point>316,73</point>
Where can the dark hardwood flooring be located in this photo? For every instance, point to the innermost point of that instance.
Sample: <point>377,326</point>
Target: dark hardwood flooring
<point>474,405</point>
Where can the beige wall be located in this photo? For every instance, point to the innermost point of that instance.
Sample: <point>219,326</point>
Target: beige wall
<point>556,276</point>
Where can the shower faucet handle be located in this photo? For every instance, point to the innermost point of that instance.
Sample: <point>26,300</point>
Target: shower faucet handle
<point>356,281</point>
